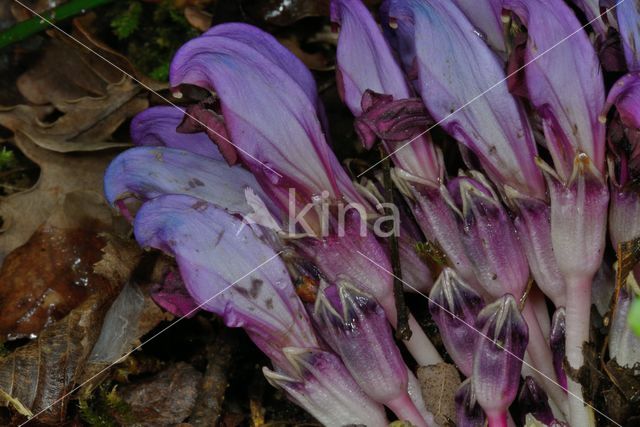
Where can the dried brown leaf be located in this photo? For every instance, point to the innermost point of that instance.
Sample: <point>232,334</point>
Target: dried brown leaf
<point>439,384</point>
<point>86,123</point>
<point>22,213</point>
<point>53,272</point>
<point>40,373</point>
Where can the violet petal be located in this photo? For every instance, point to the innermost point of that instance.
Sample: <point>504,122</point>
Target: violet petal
<point>481,114</point>
<point>157,126</point>
<point>218,258</point>
<point>564,81</point>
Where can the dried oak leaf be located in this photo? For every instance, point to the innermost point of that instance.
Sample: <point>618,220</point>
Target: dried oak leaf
<point>86,123</point>
<point>22,213</point>
<point>439,383</point>
<point>53,272</point>
<point>36,378</point>
<point>40,374</point>
<point>165,399</point>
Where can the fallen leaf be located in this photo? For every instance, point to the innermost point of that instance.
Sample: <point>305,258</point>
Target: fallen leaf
<point>439,384</point>
<point>53,272</point>
<point>165,399</point>
<point>197,18</point>
<point>86,123</point>
<point>132,315</point>
<point>41,373</point>
<point>22,213</point>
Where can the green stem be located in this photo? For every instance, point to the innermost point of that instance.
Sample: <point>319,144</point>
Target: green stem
<point>32,26</point>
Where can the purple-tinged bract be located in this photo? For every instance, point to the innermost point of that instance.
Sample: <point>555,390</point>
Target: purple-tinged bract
<point>454,307</point>
<point>499,353</point>
<point>323,386</point>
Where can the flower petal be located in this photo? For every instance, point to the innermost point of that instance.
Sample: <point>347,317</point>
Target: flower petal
<point>481,113</point>
<point>227,270</point>
<point>628,14</point>
<point>157,126</point>
<point>148,172</point>
<point>269,116</point>
<point>564,81</point>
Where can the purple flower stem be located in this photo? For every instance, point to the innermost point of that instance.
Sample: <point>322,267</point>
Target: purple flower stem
<point>542,358</point>
<point>577,318</point>
<point>419,345</point>
<point>406,410</point>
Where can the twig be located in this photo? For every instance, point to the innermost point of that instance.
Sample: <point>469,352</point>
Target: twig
<point>403,332</point>
<point>25,29</point>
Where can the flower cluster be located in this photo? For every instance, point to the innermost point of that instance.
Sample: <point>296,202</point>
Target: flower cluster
<point>271,233</point>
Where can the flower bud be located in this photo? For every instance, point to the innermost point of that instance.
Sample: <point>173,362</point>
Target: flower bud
<point>326,389</point>
<point>498,358</point>
<point>454,307</point>
<point>355,327</point>
<point>489,237</point>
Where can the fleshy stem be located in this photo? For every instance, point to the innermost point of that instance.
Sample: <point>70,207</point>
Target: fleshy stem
<point>403,331</point>
<point>578,311</point>
<point>25,29</point>
<point>406,410</point>
<point>419,345</point>
<point>497,419</point>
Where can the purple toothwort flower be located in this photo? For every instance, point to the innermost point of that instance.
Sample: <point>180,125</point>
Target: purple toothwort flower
<point>627,14</point>
<point>624,161</point>
<point>489,236</point>
<point>498,359</point>
<point>454,307</point>
<point>557,344</point>
<point>283,147</point>
<point>491,123</point>
<point>376,91</point>
<point>355,327</point>
<point>566,89</point>
<point>321,384</point>
<point>624,344</point>
<point>533,400</point>
<point>217,255</point>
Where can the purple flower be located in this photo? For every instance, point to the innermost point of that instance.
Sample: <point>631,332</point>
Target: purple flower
<point>355,327</point>
<point>156,126</point>
<point>366,67</point>
<point>454,307</point>
<point>498,358</point>
<point>533,400</point>
<point>628,14</point>
<point>557,344</point>
<point>322,385</point>
<point>489,237</point>
<point>565,84</point>
<point>217,255</point>
<point>270,117</point>
<point>491,123</point>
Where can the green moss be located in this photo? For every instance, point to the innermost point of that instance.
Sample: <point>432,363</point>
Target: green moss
<point>151,33</point>
<point>106,409</point>
<point>7,158</point>
<point>126,23</point>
